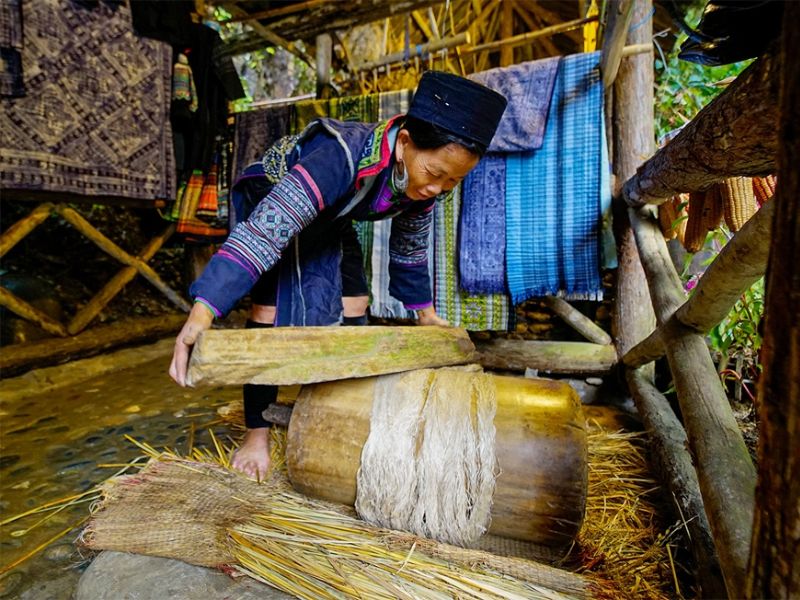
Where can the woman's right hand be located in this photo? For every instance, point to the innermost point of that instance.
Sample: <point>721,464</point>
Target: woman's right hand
<point>200,319</point>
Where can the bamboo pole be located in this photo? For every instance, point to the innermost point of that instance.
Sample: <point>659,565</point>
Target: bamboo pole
<point>75,219</point>
<point>418,50</point>
<point>524,38</point>
<point>506,32</point>
<point>725,471</point>
<point>264,15</point>
<point>740,264</point>
<point>577,320</point>
<point>119,281</point>
<point>734,135</point>
<point>12,236</point>
<point>26,311</point>
<point>547,357</point>
<point>619,19</point>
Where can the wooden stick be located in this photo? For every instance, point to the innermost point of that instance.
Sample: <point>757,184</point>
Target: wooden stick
<point>740,264</point>
<point>119,281</point>
<point>724,467</point>
<point>418,50</point>
<point>735,135</point>
<point>75,219</point>
<point>577,320</point>
<point>547,357</point>
<point>264,15</point>
<point>669,450</point>
<point>23,227</point>
<point>524,38</point>
<point>26,311</point>
<point>619,20</point>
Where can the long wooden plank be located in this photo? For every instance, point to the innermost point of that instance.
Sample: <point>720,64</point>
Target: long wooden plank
<point>548,357</point>
<point>31,313</point>
<point>23,227</point>
<point>292,355</point>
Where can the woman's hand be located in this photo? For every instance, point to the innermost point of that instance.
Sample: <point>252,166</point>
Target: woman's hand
<point>428,316</point>
<point>200,319</point>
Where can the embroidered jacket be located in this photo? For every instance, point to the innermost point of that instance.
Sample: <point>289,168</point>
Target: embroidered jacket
<point>335,170</point>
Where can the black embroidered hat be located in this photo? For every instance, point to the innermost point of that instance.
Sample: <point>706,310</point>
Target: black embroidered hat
<point>462,107</point>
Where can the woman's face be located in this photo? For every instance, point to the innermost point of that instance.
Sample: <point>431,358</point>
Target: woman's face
<point>431,172</point>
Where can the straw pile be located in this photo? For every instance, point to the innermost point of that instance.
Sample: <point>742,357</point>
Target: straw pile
<point>305,547</point>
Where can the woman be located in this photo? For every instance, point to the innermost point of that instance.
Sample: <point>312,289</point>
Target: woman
<point>290,247</point>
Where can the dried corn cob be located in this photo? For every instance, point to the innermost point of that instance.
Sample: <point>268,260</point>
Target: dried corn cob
<point>712,208</point>
<point>738,200</point>
<point>695,225</point>
<point>763,188</point>
<point>666,216</point>
<point>680,205</point>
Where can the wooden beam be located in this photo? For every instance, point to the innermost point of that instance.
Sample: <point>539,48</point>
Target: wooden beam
<point>619,20</point>
<point>725,471</point>
<point>312,354</point>
<point>577,320</point>
<point>774,567</point>
<point>419,50</point>
<point>119,281</point>
<point>528,37</point>
<point>735,135</point>
<point>26,311</point>
<point>547,357</point>
<point>265,15</point>
<point>669,450</point>
<point>75,219</point>
<point>19,230</point>
<point>22,357</point>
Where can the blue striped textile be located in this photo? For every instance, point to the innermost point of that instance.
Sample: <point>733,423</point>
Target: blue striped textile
<point>553,193</point>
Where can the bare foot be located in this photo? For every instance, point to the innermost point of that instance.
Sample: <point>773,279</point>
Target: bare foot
<point>252,457</point>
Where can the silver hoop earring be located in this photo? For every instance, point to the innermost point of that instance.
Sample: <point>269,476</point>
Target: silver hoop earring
<point>399,178</point>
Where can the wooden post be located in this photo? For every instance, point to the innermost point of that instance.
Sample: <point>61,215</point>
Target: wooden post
<point>724,468</point>
<point>634,318</point>
<point>324,58</point>
<point>577,320</point>
<point>734,135</point>
<point>774,568</point>
<point>23,227</point>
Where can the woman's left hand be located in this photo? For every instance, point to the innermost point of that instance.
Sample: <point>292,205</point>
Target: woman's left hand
<point>428,316</point>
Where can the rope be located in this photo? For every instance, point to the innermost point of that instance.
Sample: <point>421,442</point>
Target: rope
<point>429,463</point>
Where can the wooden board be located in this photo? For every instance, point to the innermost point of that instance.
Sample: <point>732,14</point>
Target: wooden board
<point>290,355</point>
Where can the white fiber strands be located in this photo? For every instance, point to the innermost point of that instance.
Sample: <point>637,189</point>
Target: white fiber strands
<point>429,463</point>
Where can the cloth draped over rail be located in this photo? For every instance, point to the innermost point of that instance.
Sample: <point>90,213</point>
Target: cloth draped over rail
<point>94,118</point>
<point>549,187</point>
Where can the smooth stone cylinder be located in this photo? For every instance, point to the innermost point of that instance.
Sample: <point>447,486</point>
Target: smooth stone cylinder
<point>540,445</point>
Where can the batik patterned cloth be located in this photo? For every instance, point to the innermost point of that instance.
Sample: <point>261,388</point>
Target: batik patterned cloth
<point>482,231</point>
<point>95,117</point>
<point>474,313</point>
<point>528,87</point>
<point>11,80</point>
<point>553,194</point>
<point>255,131</point>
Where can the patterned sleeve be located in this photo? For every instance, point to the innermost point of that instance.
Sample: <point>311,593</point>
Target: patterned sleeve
<point>409,280</point>
<point>255,245</point>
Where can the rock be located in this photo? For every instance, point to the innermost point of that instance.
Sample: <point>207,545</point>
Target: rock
<point>115,575</point>
<point>59,552</point>
<point>11,583</point>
